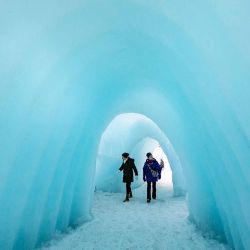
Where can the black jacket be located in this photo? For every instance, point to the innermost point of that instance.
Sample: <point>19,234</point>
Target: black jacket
<point>127,169</point>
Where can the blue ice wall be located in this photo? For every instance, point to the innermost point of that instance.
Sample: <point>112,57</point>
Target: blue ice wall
<point>69,67</point>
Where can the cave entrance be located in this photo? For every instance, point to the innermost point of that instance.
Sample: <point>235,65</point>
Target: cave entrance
<point>136,134</point>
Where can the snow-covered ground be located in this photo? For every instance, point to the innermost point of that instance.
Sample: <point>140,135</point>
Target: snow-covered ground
<point>161,224</point>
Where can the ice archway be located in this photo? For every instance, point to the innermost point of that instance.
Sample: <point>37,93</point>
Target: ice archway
<point>138,135</point>
<point>69,67</point>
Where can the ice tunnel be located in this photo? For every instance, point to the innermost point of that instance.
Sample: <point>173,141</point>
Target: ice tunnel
<point>69,67</point>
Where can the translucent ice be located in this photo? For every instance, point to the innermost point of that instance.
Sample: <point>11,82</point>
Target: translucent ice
<point>68,68</point>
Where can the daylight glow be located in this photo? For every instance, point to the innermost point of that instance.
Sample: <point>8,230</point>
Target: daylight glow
<point>166,175</point>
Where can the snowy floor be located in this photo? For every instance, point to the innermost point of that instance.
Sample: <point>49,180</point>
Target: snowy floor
<point>161,225</point>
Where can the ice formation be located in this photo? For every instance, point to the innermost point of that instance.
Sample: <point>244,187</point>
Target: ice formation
<point>68,68</point>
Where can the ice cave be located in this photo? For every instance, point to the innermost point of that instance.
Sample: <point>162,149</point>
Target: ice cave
<point>83,81</point>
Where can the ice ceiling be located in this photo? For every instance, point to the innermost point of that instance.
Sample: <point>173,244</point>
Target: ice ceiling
<point>68,68</point>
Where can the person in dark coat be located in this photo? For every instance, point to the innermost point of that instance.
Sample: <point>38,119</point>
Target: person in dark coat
<point>151,174</point>
<point>128,166</point>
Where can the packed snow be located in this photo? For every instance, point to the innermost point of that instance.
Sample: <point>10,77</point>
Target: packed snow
<point>161,224</point>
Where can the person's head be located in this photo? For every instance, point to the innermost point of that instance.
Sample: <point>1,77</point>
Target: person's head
<point>149,155</point>
<point>125,156</point>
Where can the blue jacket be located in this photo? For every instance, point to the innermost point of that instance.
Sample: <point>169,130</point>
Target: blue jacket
<point>151,170</point>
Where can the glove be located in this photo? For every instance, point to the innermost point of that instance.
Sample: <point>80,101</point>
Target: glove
<point>144,179</point>
<point>159,176</point>
<point>136,177</point>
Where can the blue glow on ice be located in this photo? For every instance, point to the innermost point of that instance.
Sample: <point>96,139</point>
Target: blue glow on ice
<point>69,67</point>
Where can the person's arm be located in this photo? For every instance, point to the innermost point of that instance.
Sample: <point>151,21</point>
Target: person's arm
<point>144,173</point>
<point>162,164</point>
<point>157,166</point>
<point>122,167</point>
<point>135,169</point>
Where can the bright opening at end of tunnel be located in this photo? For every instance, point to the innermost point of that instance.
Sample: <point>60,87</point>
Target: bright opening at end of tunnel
<point>166,174</point>
<point>137,134</point>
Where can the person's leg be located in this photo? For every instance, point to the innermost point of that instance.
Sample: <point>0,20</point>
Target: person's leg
<point>154,190</point>
<point>130,191</point>
<point>148,191</point>
<point>127,191</point>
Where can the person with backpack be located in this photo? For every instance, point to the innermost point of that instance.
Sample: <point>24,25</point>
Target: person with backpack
<point>151,174</point>
<point>128,166</point>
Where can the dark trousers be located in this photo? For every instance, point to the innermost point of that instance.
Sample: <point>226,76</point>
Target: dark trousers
<point>149,190</point>
<point>128,188</point>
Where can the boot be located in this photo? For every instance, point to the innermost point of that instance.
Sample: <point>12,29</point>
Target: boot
<point>126,199</point>
<point>130,195</point>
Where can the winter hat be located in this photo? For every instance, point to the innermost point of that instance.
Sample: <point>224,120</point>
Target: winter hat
<point>125,155</point>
